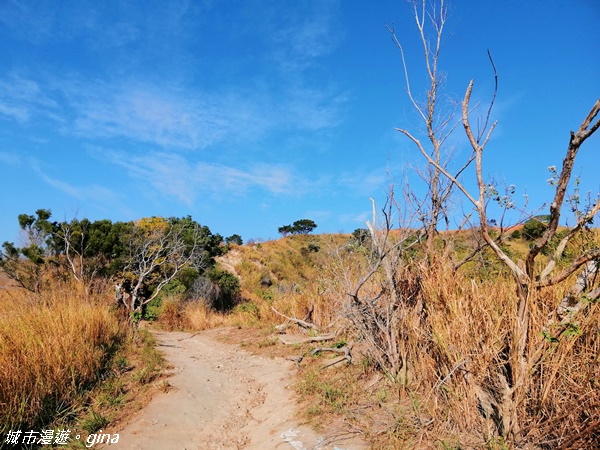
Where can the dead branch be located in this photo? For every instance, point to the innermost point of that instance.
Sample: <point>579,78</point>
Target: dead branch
<point>299,322</point>
<point>586,129</point>
<point>591,255</point>
<point>573,302</point>
<point>297,360</point>
<point>581,223</point>
<point>309,313</point>
<point>343,350</point>
<point>294,339</point>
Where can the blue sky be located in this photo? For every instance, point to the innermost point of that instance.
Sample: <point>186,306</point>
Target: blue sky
<point>249,115</point>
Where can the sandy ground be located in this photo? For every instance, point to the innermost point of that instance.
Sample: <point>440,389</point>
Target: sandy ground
<point>223,397</point>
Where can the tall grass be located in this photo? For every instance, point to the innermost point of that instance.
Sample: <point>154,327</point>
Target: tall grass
<point>177,314</point>
<point>458,371</point>
<point>53,346</point>
<point>454,348</point>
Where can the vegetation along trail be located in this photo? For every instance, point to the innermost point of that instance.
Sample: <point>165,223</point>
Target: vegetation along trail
<point>222,397</point>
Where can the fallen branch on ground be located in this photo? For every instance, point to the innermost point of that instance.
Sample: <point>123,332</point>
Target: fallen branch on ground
<point>291,339</point>
<point>345,350</point>
<point>299,322</point>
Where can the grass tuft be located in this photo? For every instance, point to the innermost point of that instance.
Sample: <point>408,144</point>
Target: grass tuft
<point>53,347</point>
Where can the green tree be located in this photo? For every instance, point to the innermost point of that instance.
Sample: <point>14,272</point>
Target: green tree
<point>91,250</point>
<point>303,226</point>
<point>533,229</point>
<point>361,236</point>
<point>228,289</point>
<point>27,265</point>
<point>234,239</point>
<point>157,252</point>
<point>285,230</point>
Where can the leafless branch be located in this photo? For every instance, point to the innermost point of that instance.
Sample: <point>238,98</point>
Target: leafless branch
<point>587,128</point>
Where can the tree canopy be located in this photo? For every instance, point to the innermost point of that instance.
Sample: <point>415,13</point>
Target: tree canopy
<point>302,226</point>
<point>141,257</point>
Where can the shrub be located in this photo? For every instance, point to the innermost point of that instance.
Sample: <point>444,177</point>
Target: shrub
<point>533,229</point>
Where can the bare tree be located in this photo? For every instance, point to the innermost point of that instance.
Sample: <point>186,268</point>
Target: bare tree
<point>438,118</point>
<point>521,359</point>
<point>157,251</point>
<point>528,278</point>
<point>386,302</point>
<point>74,238</point>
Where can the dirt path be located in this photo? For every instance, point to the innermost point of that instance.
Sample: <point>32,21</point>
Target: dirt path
<point>222,397</point>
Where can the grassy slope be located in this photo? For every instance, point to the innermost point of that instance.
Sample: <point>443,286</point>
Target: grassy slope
<point>452,351</point>
<point>286,274</point>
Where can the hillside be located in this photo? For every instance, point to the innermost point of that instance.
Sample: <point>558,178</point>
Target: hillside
<point>425,340</point>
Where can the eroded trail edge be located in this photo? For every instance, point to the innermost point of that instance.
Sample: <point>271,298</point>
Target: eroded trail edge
<point>222,397</point>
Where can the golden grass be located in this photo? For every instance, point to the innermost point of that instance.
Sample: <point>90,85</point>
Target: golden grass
<point>53,346</point>
<point>196,315</point>
<point>456,348</point>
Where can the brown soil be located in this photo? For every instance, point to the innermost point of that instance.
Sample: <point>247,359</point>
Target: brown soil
<point>223,397</point>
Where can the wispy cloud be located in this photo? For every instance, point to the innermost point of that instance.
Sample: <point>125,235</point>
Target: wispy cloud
<point>275,179</point>
<point>174,117</point>
<point>95,195</point>
<point>112,23</point>
<point>302,38</point>
<point>364,182</point>
<point>149,114</point>
<point>191,119</point>
<point>62,186</point>
<point>22,98</point>
<point>313,109</point>
<point>10,159</point>
<point>355,219</point>
<point>175,176</point>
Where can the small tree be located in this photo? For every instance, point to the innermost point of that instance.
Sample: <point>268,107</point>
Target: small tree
<point>157,250</point>
<point>533,229</point>
<point>303,226</point>
<point>26,265</point>
<point>234,239</point>
<point>285,230</point>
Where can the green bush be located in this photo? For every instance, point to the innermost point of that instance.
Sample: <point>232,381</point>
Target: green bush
<point>533,229</point>
<point>229,289</point>
<point>153,309</point>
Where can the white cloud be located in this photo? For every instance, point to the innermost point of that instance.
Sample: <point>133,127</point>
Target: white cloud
<point>313,109</point>
<point>364,182</point>
<point>194,120</point>
<point>96,195</point>
<point>301,38</point>
<point>10,159</point>
<point>170,114</point>
<point>18,113</point>
<point>150,114</point>
<point>62,186</point>
<point>22,98</point>
<point>174,176</point>
<point>356,219</point>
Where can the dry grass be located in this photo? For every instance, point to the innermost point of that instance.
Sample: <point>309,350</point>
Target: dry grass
<point>456,365</point>
<point>195,315</point>
<point>53,347</point>
<point>454,347</point>
<point>286,274</point>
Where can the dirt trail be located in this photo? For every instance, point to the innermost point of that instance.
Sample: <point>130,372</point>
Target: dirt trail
<point>222,397</point>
